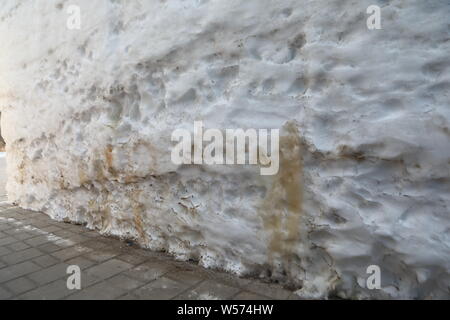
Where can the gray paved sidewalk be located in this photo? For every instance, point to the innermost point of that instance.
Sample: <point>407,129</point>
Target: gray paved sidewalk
<point>35,252</point>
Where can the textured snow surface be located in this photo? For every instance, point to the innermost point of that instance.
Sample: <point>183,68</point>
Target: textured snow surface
<point>87,116</point>
<point>2,142</point>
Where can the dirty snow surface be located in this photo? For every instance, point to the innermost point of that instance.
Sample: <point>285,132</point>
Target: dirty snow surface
<point>88,114</point>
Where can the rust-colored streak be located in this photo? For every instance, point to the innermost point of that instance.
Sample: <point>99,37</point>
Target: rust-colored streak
<point>110,160</point>
<point>138,211</point>
<point>282,207</point>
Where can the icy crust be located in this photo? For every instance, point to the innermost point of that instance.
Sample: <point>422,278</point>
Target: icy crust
<point>87,116</point>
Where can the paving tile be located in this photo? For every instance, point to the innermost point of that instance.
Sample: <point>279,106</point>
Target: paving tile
<point>18,246</point>
<point>45,261</point>
<point>36,216</point>
<point>94,244</point>
<point>92,234</point>
<point>71,252</point>
<point>50,274</point>
<point>5,204</point>
<point>34,265</point>
<point>128,296</point>
<point>63,233</point>
<point>8,212</point>
<point>101,255</point>
<point>4,251</point>
<point>4,227</point>
<point>111,242</point>
<point>17,271</point>
<point>77,229</point>
<point>40,224</point>
<point>66,225</point>
<point>24,235</point>
<point>51,228</point>
<point>246,295</point>
<point>21,256</point>
<point>49,247</point>
<point>53,291</point>
<point>88,280</point>
<point>7,240</point>
<point>99,291</point>
<point>108,269</point>
<point>188,277</point>
<point>5,294</point>
<point>210,290</point>
<point>36,241</point>
<point>13,231</point>
<point>64,243</point>
<point>273,291</point>
<point>148,271</point>
<point>82,262</point>
<point>78,238</point>
<point>24,212</point>
<point>20,285</point>
<point>12,214</point>
<point>160,289</point>
<point>123,282</point>
<point>134,259</point>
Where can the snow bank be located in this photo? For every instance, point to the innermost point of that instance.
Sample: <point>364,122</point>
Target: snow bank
<point>87,116</point>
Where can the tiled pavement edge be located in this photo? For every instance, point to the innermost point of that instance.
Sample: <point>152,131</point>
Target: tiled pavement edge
<point>35,252</point>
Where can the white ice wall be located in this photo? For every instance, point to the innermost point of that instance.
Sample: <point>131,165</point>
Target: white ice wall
<point>364,180</point>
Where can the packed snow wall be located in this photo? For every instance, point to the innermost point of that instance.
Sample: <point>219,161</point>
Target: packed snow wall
<point>91,92</point>
<point>2,142</point>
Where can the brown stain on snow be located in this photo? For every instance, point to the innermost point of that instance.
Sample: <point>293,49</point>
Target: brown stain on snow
<point>21,169</point>
<point>110,160</point>
<point>82,177</point>
<point>98,167</point>
<point>100,210</point>
<point>105,217</point>
<point>284,202</point>
<point>138,211</point>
